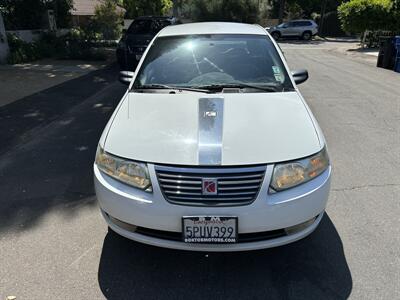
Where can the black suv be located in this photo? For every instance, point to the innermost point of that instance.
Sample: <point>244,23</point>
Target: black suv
<point>135,40</point>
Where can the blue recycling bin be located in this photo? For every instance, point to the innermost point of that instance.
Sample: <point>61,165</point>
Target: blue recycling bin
<point>397,57</point>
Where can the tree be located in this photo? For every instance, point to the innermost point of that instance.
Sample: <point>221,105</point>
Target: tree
<point>223,10</point>
<point>108,20</point>
<point>301,8</point>
<point>359,15</point>
<point>135,8</point>
<point>62,12</point>
<point>19,14</point>
<point>395,16</point>
<point>281,10</point>
<point>24,14</point>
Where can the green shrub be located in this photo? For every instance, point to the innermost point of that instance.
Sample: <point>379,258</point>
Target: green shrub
<point>108,21</point>
<point>81,51</point>
<point>359,15</point>
<point>46,44</point>
<point>74,45</point>
<point>21,51</point>
<point>78,44</point>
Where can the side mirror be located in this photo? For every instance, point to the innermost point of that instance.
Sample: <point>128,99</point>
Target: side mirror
<point>126,77</point>
<point>300,76</point>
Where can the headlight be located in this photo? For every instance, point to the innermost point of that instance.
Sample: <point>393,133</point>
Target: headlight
<point>127,171</point>
<point>291,174</point>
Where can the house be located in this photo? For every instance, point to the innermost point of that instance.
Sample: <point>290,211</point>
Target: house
<point>83,10</point>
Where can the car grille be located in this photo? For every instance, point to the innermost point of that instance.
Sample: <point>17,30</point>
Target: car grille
<point>236,186</point>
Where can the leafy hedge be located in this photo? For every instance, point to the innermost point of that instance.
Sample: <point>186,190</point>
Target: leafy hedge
<point>74,45</point>
<point>21,51</point>
<point>357,16</point>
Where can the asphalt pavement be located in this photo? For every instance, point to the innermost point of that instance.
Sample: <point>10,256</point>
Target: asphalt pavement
<point>55,245</point>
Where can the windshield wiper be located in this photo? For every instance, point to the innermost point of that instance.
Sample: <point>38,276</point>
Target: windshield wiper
<point>168,87</point>
<point>242,85</point>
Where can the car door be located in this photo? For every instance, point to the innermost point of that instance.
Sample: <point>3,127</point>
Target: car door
<point>289,29</point>
<point>298,28</point>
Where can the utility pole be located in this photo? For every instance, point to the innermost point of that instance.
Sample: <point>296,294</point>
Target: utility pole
<point>281,10</point>
<point>3,42</point>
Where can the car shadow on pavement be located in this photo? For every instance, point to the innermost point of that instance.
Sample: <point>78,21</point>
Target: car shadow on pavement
<point>296,41</point>
<point>18,118</point>
<point>49,167</point>
<point>313,268</point>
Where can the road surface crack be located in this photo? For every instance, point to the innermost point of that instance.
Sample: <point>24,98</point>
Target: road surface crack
<point>352,188</point>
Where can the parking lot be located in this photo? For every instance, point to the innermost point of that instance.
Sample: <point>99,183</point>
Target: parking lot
<point>54,243</point>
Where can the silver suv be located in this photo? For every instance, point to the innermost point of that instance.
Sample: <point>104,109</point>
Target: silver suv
<point>304,29</point>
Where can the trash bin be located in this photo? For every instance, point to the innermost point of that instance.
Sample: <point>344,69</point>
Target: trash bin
<point>397,57</point>
<point>387,53</point>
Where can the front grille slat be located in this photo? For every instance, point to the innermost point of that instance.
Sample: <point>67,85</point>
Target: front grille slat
<point>239,182</point>
<point>236,185</point>
<point>209,199</point>
<point>179,181</point>
<point>182,193</point>
<point>230,188</point>
<point>181,187</point>
<point>188,177</point>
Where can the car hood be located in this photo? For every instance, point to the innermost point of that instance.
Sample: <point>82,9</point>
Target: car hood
<point>255,128</point>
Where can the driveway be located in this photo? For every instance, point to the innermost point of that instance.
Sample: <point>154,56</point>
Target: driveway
<point>54,243</point>
<point>21,80</point>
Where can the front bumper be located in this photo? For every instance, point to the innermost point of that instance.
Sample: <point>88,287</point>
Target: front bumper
<point>268,212</point>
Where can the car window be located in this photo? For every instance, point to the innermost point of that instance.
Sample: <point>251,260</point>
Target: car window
<point>305,23</point>
<point>147,26</point>
<point>157,25</point>
<point>201,60</point>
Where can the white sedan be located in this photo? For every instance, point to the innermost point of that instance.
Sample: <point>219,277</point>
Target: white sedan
<point>212,147</point>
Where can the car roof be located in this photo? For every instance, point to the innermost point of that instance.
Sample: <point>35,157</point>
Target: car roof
<point>301,20</point>
<point>153,18</point>
<point>212,28</point>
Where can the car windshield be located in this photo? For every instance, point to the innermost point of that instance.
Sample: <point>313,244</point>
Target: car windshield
<point>209,61</point>
<point>147,26</point>
<point>140,27</point>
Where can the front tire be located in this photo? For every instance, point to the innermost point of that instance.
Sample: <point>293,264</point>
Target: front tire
<point>306,36</point>
<point>276,35</point>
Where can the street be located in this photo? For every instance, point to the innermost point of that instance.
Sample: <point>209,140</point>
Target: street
<point>54,243</point>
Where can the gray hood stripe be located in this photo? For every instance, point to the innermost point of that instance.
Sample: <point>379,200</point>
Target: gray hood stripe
<point>211,116</point>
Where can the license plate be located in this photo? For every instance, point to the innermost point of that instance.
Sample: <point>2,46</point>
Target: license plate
<point>138,56</point>
<point>209,229</point>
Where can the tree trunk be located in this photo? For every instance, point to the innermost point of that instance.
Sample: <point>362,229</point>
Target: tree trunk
<point>281,10</point>
<point>321,21</point>
<point>175,11</point>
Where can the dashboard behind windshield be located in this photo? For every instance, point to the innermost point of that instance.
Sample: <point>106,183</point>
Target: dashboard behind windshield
<point>202,60</point>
